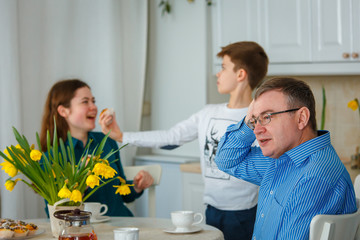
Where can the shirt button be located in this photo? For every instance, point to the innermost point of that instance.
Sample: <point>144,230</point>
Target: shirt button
<point>254,238</point>
<point>271,192</point>
<point>262,215</point>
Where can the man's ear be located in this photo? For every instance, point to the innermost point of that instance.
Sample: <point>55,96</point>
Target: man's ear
<point>303,119</point>
<point>241,74</point>
<point>63,111</point>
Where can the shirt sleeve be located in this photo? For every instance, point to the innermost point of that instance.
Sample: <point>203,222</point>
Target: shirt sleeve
<point>179,134</point>
<point>237,157</point>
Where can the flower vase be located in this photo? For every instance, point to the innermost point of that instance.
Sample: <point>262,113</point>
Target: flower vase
<point>56,224</point>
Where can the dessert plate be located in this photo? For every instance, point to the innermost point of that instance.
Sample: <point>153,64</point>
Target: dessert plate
<point>38,232</point>
<point>192,229</point>
<point>100,219</point>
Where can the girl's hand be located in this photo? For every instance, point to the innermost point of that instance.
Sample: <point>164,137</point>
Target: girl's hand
<point>108,123</point>
<point>142,180</point>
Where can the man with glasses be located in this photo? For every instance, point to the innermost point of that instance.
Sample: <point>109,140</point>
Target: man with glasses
<point>298,171</point>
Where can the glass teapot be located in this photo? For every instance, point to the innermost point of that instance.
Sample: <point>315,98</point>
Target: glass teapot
<point>77,225</point>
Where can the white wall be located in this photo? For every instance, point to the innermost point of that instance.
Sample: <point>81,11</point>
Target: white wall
<point>177,66</point>
<point>44,41</point>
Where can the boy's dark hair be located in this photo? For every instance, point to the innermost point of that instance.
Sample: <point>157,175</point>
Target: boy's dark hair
<point>249,56</point>
<point>298,94</point>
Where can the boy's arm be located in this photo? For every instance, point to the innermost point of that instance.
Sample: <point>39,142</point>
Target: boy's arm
<point>183,132</point>
<point>236,157</point>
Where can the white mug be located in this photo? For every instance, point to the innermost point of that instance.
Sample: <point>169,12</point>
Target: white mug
<point>184,220</point>
<point>126,233</point>
<point>95,209</point>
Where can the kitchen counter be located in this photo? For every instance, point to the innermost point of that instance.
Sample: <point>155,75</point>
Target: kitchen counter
<point>191,167</point>
<point>166,158</point>
<point>195,168</point>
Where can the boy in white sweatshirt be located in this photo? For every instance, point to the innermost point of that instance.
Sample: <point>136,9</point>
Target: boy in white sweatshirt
<point>231,202</point>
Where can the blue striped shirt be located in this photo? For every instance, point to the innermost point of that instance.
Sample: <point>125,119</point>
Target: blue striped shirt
<point>305,181</point>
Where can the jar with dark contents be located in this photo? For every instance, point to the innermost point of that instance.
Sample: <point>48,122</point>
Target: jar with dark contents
<point>77,225</point>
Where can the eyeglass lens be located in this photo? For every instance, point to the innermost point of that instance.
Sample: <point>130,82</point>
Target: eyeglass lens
<point>265,118</point>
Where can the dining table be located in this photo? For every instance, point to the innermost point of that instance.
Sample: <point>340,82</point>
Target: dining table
<point>149,229</point>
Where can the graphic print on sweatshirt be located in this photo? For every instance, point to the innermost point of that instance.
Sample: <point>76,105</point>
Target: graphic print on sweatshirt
<point>215,130</point>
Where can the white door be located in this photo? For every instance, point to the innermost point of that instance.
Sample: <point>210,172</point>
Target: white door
<point>355,53</point>
<point>286,30</point>
<point>233,21</point>
<point>332,30</point>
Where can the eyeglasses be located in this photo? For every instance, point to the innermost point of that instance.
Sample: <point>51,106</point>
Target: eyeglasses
<point>265,118</point>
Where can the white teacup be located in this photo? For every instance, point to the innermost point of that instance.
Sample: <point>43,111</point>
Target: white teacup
<point>95,209</point>
<point>126,234</point>
<point>184,220</point>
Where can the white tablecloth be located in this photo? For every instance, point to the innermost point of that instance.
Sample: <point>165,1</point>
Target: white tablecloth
<point>150,229</point>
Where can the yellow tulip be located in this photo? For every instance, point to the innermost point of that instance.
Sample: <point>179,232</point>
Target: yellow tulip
<point>104,161</point>
<point>7,154</point>
<point>110,172</point>
<point>353,104</point>
<point>19,147</point>
<point>18,156</point>
<point>9,168</point>
<point>122,189</point>
<point>92,181</point>
<point>10,184</point>
<point>121,180</point>
<point>35,155</point>
<point>101,169</point>
<point>76,196</point>
<point>64,192</point>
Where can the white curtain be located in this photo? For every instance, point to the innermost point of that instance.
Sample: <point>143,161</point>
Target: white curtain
<point>102,42</point>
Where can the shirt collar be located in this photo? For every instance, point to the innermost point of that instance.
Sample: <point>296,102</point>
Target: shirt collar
<point>76,142</point>
<point>300,153</point>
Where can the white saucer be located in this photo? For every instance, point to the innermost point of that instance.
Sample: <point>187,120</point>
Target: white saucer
<point>100,219</point>
<point>192,229</point>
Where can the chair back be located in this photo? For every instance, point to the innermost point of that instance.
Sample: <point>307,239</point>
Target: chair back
<point>357,186</point>
<point>155,171</point>
<point>336,227</point>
